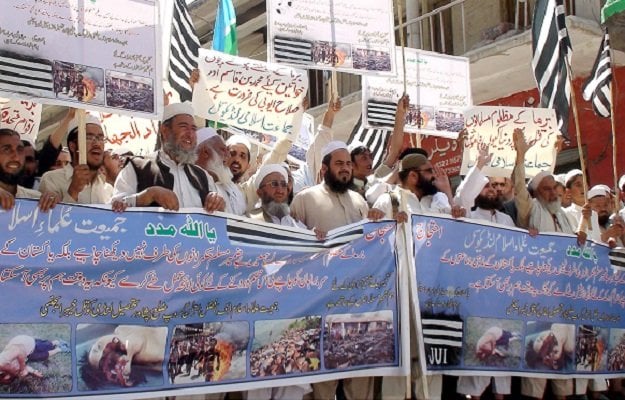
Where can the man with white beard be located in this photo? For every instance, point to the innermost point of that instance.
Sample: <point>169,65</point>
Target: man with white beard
<point>545,214</point>
<point>212,156</point>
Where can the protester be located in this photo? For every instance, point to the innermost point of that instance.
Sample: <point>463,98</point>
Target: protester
<point>81,183</point>
<point>168,178</point>
<point>330,205</point>
<point>12,160</point>
<point>213,157</point>
<point>62,160</point>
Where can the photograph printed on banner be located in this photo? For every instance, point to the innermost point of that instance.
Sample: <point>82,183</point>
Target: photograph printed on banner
<point>616,350</point>
<point>358,339</point>
<point>286,346</point>
<point>78,82</point>
<point>493,342</point>
<point>549,346</point>
<point>114,356</point>
<point>129,92</point>
<point>372,59</point>
<point>590,348</point>
<point>208,352</point>
<point>47,354</point>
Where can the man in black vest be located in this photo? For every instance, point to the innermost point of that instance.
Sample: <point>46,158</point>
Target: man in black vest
<point>168,178</point>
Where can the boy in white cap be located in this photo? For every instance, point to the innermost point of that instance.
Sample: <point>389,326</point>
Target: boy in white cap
<point>169,178</point>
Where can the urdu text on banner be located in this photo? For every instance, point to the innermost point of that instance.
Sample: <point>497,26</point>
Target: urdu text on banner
<point>354,36</point>
<point>251,304</point>
<point>497,301</point>
<point>439,87</point>
<point>249,94</point>
<point>493,126</point>
<point>102,55</point>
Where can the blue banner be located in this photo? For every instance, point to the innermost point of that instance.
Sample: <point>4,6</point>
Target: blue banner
<point>105,303</point>
<point>498,301</point>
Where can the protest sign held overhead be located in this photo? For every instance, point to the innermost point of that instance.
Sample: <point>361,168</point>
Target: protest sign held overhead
<point>102,56</point>
<point>137,135</point>
<point>493,126</point>
<point>22,116</point>
<point>439,87</point>
<point>354,36</point>
<point>249,94</point>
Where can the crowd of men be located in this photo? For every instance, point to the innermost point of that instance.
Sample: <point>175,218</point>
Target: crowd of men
<point>337,186</point>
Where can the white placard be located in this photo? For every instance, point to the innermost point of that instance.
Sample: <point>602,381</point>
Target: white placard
<point>22,116</point>
<point>494,126</point>
<point>439,87</point>
<point>354,36</point>
<point>250,94</point>
<point>101,55</point>
<point>129,133</point>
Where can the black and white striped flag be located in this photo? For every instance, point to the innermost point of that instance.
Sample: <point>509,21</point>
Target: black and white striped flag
<point>442,338</point>
<point>23,74</point>
<point>273,236</point>
<point>184,50</point>
<point>374,139</point>
<point>290,50</point>
<point>617,258</point>
<point>381,113</point>
<point>551,53</point>
<point>598,86</point>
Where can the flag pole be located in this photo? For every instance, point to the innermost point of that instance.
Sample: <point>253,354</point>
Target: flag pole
<point>82,136</point>
<point>584,223</point>
<point>613,123</point>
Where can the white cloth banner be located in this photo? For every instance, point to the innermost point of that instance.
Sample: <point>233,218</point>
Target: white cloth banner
<point>103,56</point>
<point>493,126</point>
<point>354,36</point>
<point>22,116</point>
<point>129,133</point>
<point>439,87</point>
<point>249,94</point>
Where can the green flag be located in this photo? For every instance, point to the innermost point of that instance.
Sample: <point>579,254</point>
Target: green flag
<point>610,8</point>
<point>225,33</point>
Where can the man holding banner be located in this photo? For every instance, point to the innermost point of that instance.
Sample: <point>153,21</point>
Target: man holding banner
<point>169,178</point>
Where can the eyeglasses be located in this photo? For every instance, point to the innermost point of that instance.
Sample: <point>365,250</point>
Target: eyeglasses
<point>275,184</point>
<point>95,138</point>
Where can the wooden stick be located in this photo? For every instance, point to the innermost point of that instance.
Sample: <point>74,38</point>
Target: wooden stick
<point>400,16</point>
<point>584,222</point>
<point>334,90</point>
<point>82,136</point>
<point>613,123</point>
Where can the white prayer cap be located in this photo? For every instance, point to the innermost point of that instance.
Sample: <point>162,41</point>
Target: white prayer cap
<point>333,146</point>
<point>560,178</point>
<point>89,119</point>
<point>355,145</point>
<point>535,181</point>
<point>571,175</point>
<point>621,182</point>
<point>120,151</point>
<point>239,139</point>
<point>268,169</point>
<point>598,190</point>
<point>204,134</point>
<point>171,110</point>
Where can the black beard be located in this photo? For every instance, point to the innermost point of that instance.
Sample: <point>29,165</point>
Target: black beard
<point>336,185</point>
<point>10,179</point>
<point>426,187</point>
<point>28,181</point>
<point>489,203</point>
<point>604,219</point>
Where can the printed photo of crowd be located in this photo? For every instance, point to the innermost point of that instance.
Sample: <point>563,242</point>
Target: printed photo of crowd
<point>286,346</point>
<point>78,82</point>
<point>358,339</point>
<point>208,352</point>
<point>129,92</point>
<point>616,350</point>
<point>372,59</point>
<point>590,349</point>
<point>334,54</point>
